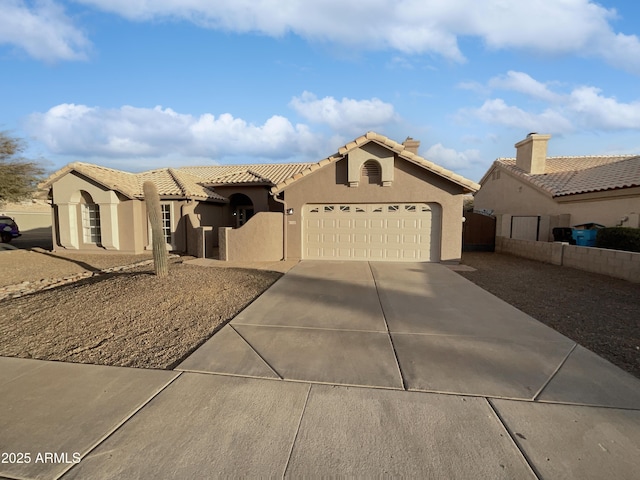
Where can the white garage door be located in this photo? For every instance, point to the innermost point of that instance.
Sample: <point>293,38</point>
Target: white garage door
<point>393,232</point>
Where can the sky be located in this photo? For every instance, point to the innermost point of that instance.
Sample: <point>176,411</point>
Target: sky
<point>143,84</point>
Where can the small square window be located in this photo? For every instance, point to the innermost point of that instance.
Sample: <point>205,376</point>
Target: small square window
<point>345,208</point>
<point>394,208</point>
<point>328,208</point>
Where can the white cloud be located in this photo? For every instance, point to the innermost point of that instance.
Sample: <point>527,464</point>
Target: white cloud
<point>604,113</point>
<point>579,27</point>
<point>523,83</point>
<point>452,159</point>
<point>42,30</point>
<point>131,132</point>
<point>496,111</point>
<point>582,108</point>
<point>347,115</point>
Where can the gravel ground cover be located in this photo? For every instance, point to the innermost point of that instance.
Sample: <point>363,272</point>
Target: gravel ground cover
<point>36,264</point>
<point>600,313</point>
<point>131,318</point>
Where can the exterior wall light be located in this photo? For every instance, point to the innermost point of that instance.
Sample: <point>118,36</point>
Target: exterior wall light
<point>289,211</point>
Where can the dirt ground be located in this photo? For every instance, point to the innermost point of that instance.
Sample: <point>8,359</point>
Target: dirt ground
<point>600,313</point>
<point>37,264</point>
<point>129,318</point>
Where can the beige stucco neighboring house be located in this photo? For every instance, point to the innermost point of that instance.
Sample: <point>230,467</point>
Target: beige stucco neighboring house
<point>533,193</point>
<point>375,199</point>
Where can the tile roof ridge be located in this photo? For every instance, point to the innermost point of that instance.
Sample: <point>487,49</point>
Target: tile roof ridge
<point>574,157</point>
<point>100,167</point>
<point>179,181</point>
<point>246,165</point>
<point>257,175</point>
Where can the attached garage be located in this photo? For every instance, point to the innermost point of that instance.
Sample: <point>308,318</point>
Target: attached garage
<point>372,231</point>
<point>374,200</point>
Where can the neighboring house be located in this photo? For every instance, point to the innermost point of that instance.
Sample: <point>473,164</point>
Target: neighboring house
<point>532,193</point>
<point>374,199</point>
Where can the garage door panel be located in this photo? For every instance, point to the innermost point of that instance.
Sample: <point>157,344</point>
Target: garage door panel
<point>393,232</point>
<point>360,238</point>
<point>360,223</point>
<point>410,240</point>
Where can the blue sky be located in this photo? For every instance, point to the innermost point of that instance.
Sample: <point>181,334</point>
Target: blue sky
<point>139,84</point>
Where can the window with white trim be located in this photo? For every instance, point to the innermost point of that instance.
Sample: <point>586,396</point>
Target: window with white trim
<point>91,223</point>
<point>166,222</point>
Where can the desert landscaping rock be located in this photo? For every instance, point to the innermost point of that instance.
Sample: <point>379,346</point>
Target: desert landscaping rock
<point>599,312</point>
<point>128,318</point>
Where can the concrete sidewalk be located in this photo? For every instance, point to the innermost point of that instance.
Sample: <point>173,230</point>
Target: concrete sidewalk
<point>339,369</point>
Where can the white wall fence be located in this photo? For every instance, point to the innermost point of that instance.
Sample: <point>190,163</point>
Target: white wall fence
<point>615,263</point>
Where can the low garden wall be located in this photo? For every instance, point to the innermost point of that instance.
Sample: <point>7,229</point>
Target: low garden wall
<point>260,239</point>
<point>615,263</point>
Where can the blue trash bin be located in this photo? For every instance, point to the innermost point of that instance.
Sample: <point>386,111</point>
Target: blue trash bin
<point>585,234</point>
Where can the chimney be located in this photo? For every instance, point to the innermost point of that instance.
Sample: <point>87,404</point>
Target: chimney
<point>411,145</point>
<point>531,153</point>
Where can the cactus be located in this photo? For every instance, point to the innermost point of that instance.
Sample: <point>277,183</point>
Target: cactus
<point>160,255</point>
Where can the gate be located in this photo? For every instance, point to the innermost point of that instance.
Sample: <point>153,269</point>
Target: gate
<point>478,232</point>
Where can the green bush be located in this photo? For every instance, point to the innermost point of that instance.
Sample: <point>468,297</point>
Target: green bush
<point>619,238</point>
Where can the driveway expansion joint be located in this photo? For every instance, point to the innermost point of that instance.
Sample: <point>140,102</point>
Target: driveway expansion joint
<point>295,437</point>
<point>555,372</point>
<point>119,425</point>
<point>256,352</point>
<point>515,443</point>
<point>386,325</point>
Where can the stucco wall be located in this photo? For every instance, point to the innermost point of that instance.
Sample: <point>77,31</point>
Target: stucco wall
<point>260,239</point>
<point>511,196</point>
<point>204,214</point>
<point>411,184</point>
<point>116,230</point>
<point>122,218</point>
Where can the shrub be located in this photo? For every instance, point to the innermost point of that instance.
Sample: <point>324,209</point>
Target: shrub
<point>619,238</point>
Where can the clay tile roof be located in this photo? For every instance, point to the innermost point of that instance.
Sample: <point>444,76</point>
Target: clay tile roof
<point>396,147</point>
<point>170,183</point>
<point>573,175</point>
<point>272,173</point>
<point>124,182</point>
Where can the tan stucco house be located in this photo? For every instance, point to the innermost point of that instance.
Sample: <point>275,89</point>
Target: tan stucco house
<point>532,193</point>
<point>375,199</point>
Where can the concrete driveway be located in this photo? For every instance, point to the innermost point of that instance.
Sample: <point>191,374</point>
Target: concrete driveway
<point>351,369</point>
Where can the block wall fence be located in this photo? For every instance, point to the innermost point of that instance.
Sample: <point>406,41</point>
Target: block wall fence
<point>614,263</point>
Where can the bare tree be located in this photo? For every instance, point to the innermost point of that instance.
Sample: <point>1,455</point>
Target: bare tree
<point>19,177</point>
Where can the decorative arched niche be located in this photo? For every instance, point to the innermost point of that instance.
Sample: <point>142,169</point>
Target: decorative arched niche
<point>371,164</point>
<point>371,173</point>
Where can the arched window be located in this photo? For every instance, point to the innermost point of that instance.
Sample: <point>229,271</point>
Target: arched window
<point>90,219</point>
<point>371,172</point>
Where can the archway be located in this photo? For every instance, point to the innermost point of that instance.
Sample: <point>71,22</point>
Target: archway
<point>241,209</point>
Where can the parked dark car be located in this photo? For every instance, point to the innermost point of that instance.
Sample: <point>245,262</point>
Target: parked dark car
<point>8,229</point>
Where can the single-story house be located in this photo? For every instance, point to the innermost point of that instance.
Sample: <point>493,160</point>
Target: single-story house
<point>375,199</point>
<point>532,193</point>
